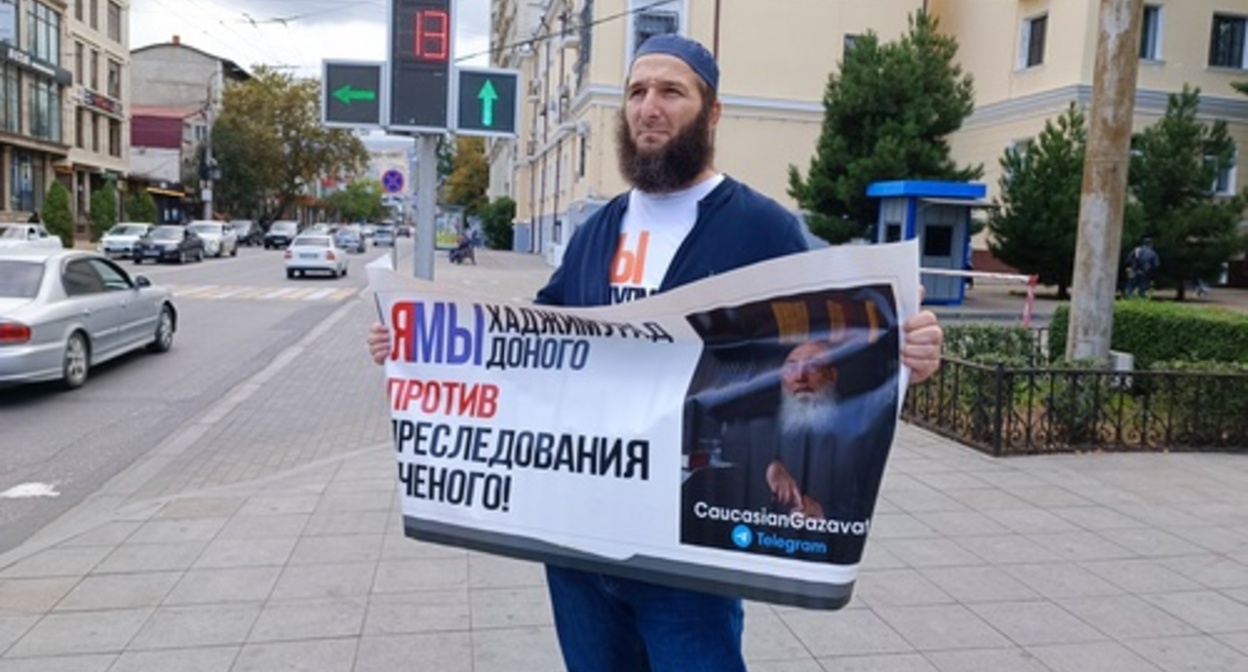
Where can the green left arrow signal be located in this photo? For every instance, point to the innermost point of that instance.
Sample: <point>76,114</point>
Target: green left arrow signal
<point>488,97</point>
<point>349,95</point>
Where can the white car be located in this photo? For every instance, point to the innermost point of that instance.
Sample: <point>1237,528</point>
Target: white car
<point>220,238</point>
<point>308,253</point>
<point>27,237</point>
<point>119,241</point>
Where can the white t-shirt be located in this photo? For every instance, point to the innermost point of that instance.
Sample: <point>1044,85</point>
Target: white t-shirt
<point>654,226</point>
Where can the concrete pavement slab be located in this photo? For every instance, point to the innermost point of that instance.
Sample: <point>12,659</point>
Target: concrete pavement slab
<point>282,548</point>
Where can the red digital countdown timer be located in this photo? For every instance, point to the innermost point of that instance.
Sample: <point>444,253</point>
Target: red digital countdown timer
<point>433,35</point>
<point>422,30</point>
<point>421,44</point>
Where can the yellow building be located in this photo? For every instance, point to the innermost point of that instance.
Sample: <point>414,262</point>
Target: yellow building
<point>775,58</point>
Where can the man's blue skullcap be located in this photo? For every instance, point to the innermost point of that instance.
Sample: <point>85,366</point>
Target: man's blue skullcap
<point>692,53</point>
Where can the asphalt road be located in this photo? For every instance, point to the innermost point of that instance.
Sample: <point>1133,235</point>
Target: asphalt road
<point>235,316</point>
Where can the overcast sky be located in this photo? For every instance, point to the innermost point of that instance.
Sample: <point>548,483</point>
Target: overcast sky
<point>291,33</point>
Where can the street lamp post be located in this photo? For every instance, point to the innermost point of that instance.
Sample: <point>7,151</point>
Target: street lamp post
<point>209,173</point>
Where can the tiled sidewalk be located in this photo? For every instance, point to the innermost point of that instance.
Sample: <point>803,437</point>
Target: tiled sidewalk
<point>1131,563</point>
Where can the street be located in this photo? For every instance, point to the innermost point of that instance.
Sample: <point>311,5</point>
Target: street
<point>236,316</point>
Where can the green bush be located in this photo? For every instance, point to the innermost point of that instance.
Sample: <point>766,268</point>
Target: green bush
<point>103,211</point>
<point>141,208</point>
<point>1155,331</point>
<point>56,215</point>
<point>992,343</point>
<point>496,223</point>
<point>1076,401</point>
<point>1205,408</point>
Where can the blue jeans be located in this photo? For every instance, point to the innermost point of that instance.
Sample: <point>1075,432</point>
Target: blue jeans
<point>609,624</point>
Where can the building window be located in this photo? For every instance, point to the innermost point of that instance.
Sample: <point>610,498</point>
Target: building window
<point>849,41</point>
<point>43,32</point>
<point>95,133</point>
<point>586,28</point>
<point>78,9</point>
<point>78,51</point>
<point>1224,181</point>
<point>80,129</point>
<point>95,14</point>
<point>652,18</point>
<point>1018,148</point>
<point>1226,44</point>
<point>26,172</point>
<point>10,100</point>
<point>114,79</point>
<point>583,157</point>
<point>1031,49</point>
<point>45,110</point>
<point>1150,33</point>
<point>114,22</point>
<point>114,138</point>
<point>95,70</point>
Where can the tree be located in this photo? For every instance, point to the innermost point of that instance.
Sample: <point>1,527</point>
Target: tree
<point>1174,165</point>
<point>270,144</point>
<point>497,222</point>
<point>1036,227</point>
<point>141,208</point>
<point>470,177</point>
<point>358,201</point>
<point>103,210</point>
<point>56,216</point>
<point>886,115</point>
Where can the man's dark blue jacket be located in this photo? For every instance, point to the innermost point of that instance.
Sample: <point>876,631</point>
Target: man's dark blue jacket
<point>736,226</point>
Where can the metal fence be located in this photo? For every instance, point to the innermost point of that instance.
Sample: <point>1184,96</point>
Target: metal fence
<point>1021,411</point>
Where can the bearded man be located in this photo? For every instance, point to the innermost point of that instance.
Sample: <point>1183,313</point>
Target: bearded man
<point>813,463</point>
<point>682,221</point>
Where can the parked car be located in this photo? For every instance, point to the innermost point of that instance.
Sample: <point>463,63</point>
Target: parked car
<point>219,238</point>
<point>349,239</point>
<point>384,235</point>
<point>64,311</point>
<point>27,236</point>
<point>118,242</point>
<point>280,234</point>
<point>309,253</point>
<point>169,243</point>
<point>248,232</point>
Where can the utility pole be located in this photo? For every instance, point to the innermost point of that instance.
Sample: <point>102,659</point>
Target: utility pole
<point>1105,167</point>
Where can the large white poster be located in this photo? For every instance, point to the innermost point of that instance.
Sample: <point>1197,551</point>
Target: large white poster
<point>728,435</point>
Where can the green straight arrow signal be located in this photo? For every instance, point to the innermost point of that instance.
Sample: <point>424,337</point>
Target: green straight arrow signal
<point>488,95</point>
<point>347,94</point>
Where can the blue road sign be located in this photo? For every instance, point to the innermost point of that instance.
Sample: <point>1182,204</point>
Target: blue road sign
<point>392,181</point>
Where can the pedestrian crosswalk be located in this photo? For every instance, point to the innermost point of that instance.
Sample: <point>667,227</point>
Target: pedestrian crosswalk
<point>258,293</point>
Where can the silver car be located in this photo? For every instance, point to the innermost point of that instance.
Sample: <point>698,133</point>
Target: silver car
<point>219,239</point>
<point>119,241</point>
<point>64,311</point>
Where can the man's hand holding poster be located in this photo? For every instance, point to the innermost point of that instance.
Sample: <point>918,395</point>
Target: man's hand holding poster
<point>729,435</point>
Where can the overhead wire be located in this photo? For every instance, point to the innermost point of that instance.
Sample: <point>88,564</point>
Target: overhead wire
<point>554,34</point>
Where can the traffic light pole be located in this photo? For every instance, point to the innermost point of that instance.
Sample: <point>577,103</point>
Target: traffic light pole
<point>426,202</point>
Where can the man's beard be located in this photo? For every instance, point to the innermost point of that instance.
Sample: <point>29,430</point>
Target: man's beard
<point>671,167</point>
<point>816,411</point>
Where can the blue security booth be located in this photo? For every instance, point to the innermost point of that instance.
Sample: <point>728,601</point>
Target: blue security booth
<point>939,215</point>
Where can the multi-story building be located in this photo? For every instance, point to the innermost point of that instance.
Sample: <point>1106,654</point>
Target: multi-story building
<point>177,96</point>
<point>775,58</point>
<point>34,88</point>
<point>97,49</point>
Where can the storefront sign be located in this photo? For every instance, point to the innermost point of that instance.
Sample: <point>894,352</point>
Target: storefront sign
<point>101,102</point>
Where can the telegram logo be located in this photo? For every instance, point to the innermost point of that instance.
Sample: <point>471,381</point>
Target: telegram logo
<point>742,536</point>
